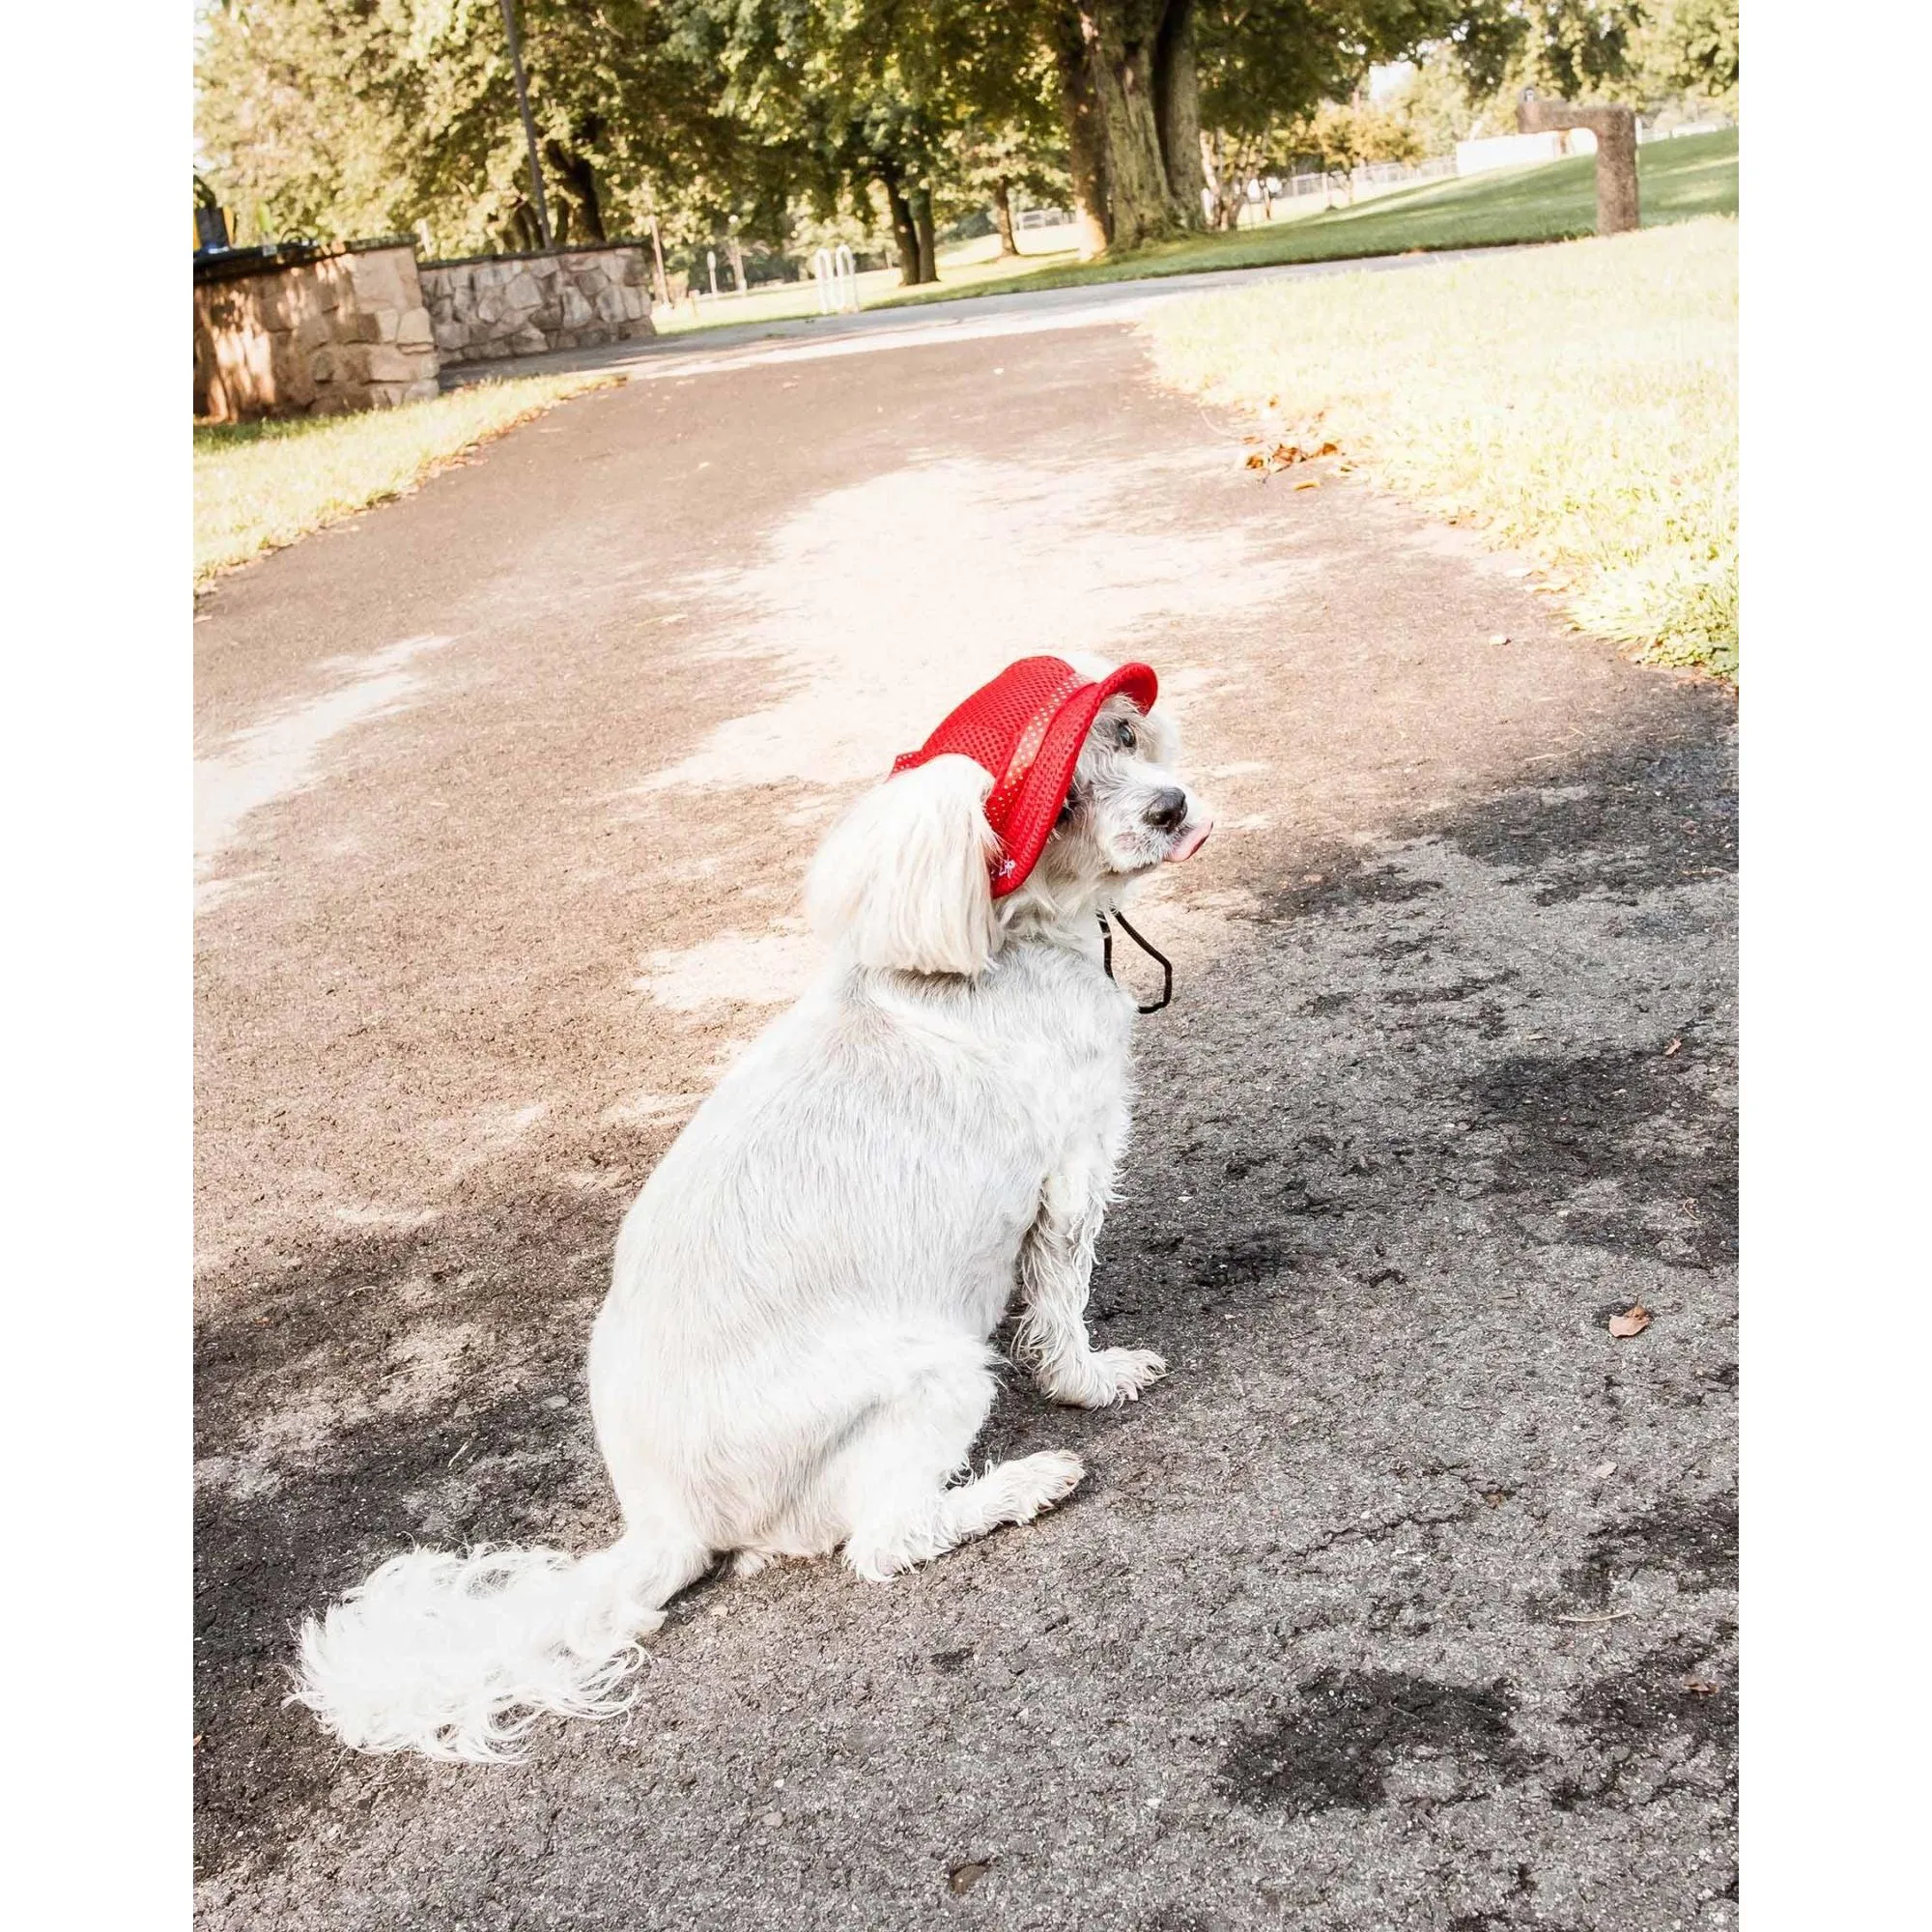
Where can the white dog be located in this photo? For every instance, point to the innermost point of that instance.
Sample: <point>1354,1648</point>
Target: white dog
<point>794,1356</point>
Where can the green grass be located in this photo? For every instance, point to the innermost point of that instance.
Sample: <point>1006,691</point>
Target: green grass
<point>1579,404</point>
<point>1677,181</point>
<point>258,486</point>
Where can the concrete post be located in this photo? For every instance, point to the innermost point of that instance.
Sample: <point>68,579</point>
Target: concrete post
<point>1615,130</point>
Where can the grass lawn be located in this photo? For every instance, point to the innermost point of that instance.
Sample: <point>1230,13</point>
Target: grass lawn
<point>1676,181</point>
<point>258,486</point>
<point>1579,404</point>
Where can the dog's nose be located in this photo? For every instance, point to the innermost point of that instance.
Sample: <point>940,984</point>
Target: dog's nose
<point>1167,811</point>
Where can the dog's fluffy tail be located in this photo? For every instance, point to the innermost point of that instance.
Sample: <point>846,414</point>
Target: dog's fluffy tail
<point>457,1657</point>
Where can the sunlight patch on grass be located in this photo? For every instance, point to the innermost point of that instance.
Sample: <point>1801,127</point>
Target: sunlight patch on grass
<point>259,486</point>
<point>1579,404</point>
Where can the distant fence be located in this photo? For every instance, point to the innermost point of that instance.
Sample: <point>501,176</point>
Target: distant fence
<point>1262,192</point>
<point>1644,133</point>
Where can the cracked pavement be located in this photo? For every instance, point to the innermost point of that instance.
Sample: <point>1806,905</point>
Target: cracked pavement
<point>1409,1601</point>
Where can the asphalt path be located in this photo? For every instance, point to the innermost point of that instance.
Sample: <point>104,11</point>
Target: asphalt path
<point>1408,1599</point>
<point>956,319</point>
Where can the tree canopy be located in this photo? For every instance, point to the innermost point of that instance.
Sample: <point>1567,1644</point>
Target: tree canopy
<point>761,122</point>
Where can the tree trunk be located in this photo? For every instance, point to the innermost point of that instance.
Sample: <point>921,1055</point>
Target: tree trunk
<point>1177,96</point>
<point>1215,180</point>
<point>737,255</point>
<point>1086,157</point>
<point>1119,36</point>
<point>1002,215</point>
<point>658,259</point>
<point>578,181</point>
<point>922,221</point>
<point>905,236</point>
<point>521,230</point>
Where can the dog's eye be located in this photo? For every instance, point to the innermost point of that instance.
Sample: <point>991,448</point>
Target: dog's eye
<point>1124,734</point>
<point>1067,810</point>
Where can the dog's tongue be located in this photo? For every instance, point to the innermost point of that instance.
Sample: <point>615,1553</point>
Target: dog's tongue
<point>1191,843</point>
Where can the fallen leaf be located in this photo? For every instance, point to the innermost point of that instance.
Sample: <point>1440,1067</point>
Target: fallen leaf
<point>1633,1321</point>
<point>1312,879</point>
<point>1603,1471</point>
<point>1498,636</point>
<point>1255,459</point>
<point>965,1877</point>
<point>1675,1046</point>
<point>1698,1687</point>
<point>198,1736</point>
<point>1309,483</point>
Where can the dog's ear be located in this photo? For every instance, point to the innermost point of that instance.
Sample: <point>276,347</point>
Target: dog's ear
<point>904,880</point>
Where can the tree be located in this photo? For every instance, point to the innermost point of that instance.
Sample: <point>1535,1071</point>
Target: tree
<point>1269,68</point>
<point>1130,101</point>
<point>722,121</point>
<point>1571,49</point>
<point>995,164</point>
<point>1433,104</point>
<point>339,117</point>
<point>1687,47</point>
<point>1344,136</point>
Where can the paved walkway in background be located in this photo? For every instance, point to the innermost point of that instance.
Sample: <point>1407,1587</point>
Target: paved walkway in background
<point>960,319</point>
<point>1407,1601</point>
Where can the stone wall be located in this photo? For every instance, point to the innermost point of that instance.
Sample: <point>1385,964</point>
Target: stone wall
<point>522,304</point>
<point>307,332</point>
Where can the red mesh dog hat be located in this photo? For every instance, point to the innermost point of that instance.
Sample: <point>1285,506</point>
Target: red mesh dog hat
<point>1027,727</point>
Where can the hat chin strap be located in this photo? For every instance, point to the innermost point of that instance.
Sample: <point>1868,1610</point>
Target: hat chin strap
<point>1151,952</point>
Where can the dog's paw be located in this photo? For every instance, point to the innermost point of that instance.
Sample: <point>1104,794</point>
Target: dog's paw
<point>1129,1370</point>
<point>1040,1481</point>
<point>1110,1376</point>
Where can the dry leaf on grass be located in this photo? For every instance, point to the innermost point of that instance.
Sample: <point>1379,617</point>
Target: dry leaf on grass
<point>1631,1322</point>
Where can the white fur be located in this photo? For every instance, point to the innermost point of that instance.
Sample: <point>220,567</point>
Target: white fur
<point>794,1356</point>
<point>904,880</point>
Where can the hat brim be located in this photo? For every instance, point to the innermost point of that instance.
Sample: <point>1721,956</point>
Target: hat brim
<point>1043,790</point>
